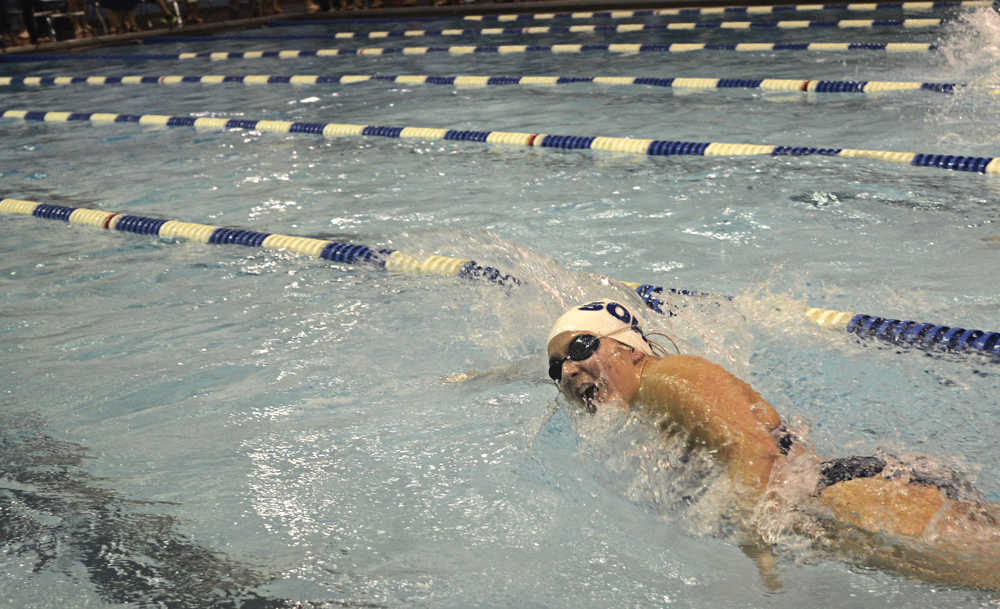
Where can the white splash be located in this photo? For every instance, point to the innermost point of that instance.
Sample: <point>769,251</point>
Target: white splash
<point>970,48</point>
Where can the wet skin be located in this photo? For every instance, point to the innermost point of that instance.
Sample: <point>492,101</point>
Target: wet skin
<point>888,523</point>
<point>720,411</point>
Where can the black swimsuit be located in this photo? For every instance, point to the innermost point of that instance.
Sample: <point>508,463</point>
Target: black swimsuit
<point>843,469</point>
<point>848,468</point>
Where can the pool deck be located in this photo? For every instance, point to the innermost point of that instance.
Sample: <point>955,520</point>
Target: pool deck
<point>217,19</point>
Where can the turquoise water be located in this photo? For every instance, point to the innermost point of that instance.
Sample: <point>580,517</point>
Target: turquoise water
<point>192,425</point>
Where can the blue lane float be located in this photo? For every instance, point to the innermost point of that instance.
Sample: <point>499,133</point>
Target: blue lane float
<point>624,28</point>
<point>645,147</point>
<point>925,336</point>
<point>767,84</point>
<point>919,335</point>
<point>508,49</point>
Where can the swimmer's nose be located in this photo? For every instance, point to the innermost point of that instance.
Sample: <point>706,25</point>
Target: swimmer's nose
<point>570,368</point>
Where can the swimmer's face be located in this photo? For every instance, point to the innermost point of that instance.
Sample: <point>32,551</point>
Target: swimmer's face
<point>609,375</point>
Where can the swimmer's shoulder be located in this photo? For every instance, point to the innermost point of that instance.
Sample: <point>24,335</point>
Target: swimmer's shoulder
<point>678,378</point>
<point>667,379</point>
<point>683,368</point>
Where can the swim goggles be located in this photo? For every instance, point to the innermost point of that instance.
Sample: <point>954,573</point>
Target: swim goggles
<point>580,348</point>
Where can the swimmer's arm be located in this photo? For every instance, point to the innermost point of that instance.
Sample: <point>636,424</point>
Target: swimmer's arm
<point>525,369</point>
<point>766,563</point>
<point>720,411</point>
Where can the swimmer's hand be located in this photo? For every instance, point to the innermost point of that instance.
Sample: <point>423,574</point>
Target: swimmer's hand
<point>767,564</point>
<point>526,369</point>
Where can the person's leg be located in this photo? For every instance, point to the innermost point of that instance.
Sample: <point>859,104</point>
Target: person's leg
<point>193,12</point>
<point>115,23</point>
<point>28,15</point>
<point>914,528</point>
<point>81,26</point>
<point>130,22</point>
<point>876,504</point>
<point>168,15</point>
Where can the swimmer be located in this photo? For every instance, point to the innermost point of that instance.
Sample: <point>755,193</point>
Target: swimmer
<point>865,510</point>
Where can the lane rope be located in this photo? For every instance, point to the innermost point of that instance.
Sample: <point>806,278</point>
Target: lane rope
<point>648,147</point>
<point>624,28</point>
<point>728,11</point>
<point>505,49</point>
<point>920,335</point>
<point>734,10</point>
<point>473,81</point>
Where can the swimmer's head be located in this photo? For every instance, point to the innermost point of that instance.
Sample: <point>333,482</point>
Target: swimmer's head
<point>604,318</point>
<point>595,352</point>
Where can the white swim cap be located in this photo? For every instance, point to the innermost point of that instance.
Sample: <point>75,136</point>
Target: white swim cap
<point>604,318</point>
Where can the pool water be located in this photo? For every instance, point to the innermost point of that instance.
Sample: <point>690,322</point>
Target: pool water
<point>217,426</point>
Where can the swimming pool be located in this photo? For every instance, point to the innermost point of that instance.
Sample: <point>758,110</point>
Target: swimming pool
<point>194,425</point>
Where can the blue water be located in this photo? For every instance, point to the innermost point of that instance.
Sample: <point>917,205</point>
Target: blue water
<point>189,425</point>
